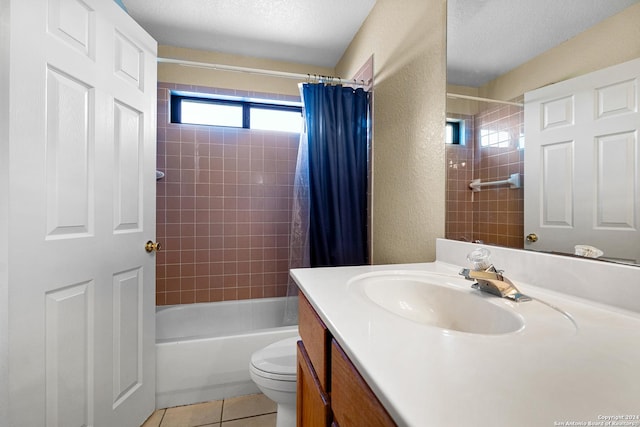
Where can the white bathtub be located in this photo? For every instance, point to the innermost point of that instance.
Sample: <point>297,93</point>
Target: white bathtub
<point>203,350</point>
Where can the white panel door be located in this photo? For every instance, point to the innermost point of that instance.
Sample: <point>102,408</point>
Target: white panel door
<point>81,207</point>
<point>582,178</point>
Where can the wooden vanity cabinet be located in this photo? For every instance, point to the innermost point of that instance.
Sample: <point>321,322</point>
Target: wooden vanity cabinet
<point>330,390</point>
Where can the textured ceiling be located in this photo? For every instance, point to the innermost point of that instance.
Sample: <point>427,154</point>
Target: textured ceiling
<point>487,38</point>
<point>303,31</point>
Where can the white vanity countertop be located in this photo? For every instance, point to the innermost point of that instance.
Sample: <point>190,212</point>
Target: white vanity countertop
<point>548,374</point>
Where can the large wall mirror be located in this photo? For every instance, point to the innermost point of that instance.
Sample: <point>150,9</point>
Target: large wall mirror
<point>498,51</point>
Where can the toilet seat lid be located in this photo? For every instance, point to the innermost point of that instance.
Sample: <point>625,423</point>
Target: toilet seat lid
<point>277,359</point>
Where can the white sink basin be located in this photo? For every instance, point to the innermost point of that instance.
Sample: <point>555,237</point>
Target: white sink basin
<point>422,299</point>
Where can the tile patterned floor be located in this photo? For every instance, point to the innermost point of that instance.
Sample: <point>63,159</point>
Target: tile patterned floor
<point>255,410</point>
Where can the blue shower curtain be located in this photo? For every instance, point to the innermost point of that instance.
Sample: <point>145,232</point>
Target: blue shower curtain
<point>337,135</point>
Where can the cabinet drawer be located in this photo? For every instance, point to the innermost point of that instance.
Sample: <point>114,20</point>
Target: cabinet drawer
<point>352,401</point>
<point>312,404</point>
<point>315,336</point>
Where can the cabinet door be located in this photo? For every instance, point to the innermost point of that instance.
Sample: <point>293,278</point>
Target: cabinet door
<point>352,401</point>
<point>316,338</point>
<point>312,402</point>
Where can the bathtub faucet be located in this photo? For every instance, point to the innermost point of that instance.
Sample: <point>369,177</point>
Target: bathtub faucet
<point>492,281</point>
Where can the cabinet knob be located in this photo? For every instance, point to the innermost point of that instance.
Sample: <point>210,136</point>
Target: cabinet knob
<point>532,238</point>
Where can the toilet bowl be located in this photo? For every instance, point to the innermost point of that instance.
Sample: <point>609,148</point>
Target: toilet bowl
<point>273,369</point>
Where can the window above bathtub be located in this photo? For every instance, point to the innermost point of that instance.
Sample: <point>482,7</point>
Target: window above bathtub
<point>454,132</point>
<point>226,111</point>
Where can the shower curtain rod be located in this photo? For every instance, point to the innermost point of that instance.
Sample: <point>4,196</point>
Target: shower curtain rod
<point>476,98</point>
<point>284,74</point>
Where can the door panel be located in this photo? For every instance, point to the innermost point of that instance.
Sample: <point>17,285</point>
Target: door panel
<point>128,329</point>
<point>70,136</point>
<point>557,112</point>
<point>69,362</point>
<point>73,21</point>
<point>582,177</point>
<point>129,145</point>
<point>557,184</point>
<point>129,61</point>
<point>82,205</point>
<point>616,170</point>
<point>616,99</point>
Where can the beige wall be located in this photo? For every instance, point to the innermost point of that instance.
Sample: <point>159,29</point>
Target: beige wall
<point>613,41</point>
<point>463,106</point>
<point>173,73</point>
<point>408,44</point>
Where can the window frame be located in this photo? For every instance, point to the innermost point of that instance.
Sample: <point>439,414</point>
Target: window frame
<point>457,129</point>
<point>176,99</point>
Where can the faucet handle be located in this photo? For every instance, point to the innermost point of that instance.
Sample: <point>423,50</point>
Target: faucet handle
<point>479,259</point>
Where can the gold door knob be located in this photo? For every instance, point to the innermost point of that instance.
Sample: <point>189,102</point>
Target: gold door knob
<point>152,246</point>
<point>532,238</point>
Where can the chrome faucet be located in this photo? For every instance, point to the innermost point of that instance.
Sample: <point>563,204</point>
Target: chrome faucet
<point>492,281</point>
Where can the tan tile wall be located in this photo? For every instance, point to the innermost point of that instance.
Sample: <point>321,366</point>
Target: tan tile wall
<point>494,215</point>
<point>223,208</point>
<point>499,210</point>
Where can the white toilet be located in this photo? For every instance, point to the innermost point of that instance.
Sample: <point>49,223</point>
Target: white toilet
<point>273,369</point>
